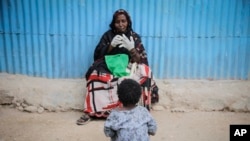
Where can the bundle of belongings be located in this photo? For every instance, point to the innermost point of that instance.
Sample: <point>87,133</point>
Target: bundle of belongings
<point>104,76</point>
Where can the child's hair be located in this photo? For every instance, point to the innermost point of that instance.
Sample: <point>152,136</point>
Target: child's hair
<point>129,92</point>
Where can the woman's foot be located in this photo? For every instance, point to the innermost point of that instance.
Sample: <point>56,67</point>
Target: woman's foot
<point>84,119</point>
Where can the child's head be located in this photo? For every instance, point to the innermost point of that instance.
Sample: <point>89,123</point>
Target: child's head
<point>129,92</point>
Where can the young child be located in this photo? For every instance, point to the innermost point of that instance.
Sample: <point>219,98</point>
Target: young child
<point>130,122</point>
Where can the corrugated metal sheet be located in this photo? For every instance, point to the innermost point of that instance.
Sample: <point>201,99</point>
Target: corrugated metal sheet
<point>185,39</point>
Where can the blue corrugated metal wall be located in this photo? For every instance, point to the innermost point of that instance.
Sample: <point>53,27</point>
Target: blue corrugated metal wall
<point>184,39</point>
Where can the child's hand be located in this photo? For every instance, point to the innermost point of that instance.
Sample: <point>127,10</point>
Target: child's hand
<point>152,134</point>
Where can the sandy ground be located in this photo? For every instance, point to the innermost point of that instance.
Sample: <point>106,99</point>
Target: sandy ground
<point>202,110</point>
<point>60,126</point>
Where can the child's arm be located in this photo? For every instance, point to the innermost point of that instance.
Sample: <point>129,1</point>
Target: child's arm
<point>109,132</point>
<point>109,123</point>
<point>152,127</point>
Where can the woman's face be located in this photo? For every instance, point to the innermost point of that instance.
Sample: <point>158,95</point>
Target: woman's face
<point>121,23</point>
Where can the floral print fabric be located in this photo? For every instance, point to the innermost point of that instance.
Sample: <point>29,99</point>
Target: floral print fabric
<point>130,125</point>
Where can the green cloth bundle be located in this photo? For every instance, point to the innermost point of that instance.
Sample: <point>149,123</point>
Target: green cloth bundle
<point>117,64</point>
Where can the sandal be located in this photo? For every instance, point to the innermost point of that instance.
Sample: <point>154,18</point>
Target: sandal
<point>84,119</point>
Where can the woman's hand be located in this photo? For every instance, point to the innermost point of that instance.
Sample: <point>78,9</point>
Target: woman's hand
<point>116,40</point>
<point>128,44</point>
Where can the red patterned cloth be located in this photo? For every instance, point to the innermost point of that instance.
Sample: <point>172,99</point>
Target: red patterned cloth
<point>101,95</point>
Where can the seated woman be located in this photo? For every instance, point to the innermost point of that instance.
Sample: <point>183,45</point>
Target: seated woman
<point>118,47</point>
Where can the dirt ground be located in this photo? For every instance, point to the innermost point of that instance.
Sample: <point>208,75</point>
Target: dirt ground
<point>60,126</point>
<point>189,110</point>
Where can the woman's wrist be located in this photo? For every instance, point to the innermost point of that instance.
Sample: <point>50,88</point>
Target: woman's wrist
<point>110,48</point>
<point>135,55</point>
